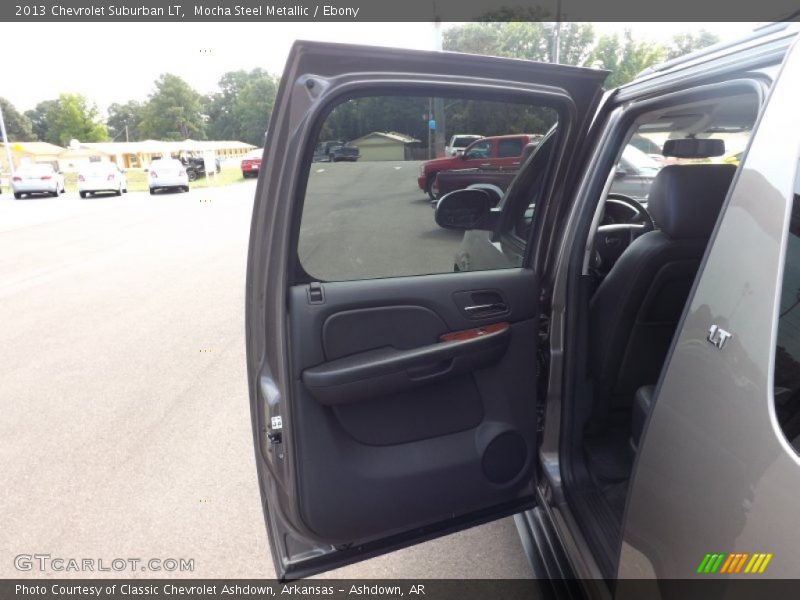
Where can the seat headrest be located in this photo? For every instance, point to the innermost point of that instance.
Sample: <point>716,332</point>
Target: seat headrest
<point>685,200</point>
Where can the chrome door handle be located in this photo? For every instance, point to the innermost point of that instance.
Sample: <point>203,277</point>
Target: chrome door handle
<point>498,307</point>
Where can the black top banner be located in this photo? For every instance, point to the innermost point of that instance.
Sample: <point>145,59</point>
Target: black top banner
<point>395,10</point>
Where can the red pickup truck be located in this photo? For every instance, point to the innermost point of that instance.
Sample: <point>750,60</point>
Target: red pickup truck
<point>494,151</point>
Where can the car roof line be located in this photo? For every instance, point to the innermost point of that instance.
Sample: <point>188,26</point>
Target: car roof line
<point>761,31</point>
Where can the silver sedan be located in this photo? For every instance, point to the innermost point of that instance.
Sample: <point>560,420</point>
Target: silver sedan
<point>37,179</point>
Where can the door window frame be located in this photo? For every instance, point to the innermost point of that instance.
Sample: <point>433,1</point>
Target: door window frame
<point>474,145</point>
<point>561,449</point>
<point>543,96</point>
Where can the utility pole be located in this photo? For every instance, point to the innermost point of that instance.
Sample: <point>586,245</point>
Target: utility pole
<point>438,103</point>
<point>430,131</point>
<point>557,34</point>
<point>5,143</point>
<point>126,134</point>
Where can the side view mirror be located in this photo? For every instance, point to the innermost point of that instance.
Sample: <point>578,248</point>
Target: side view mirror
<point>620,173</point>
<point>495,193</point>
<point>464,209</point>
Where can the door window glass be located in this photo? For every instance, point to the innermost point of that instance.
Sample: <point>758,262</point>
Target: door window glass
<point>509,148</point>
<point>376,171</point>
<point>479,150</point>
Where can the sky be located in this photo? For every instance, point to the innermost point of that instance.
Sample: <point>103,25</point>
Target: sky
<point>117,62</point>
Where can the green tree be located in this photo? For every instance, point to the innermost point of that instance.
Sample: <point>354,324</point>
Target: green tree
<point>40,117</point>
<point>576,42</point>
<point>242,108</point>
<point>624,56</point>
<point>123,120</point>
<point>72,116</point>
<point>407,115</point>
<point>218,106</point>
<point>173,111</point>
<point>687,42</point>
<point>528,40</point>
<point>18,126</point>
<point>253,108</point>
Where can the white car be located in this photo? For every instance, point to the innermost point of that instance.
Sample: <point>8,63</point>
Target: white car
<point>101,177</point>
<point>167,173</point>
<point>39,178</point>
<point>459,142</point>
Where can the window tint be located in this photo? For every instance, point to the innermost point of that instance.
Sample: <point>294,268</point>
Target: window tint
<point>509,148</point>
<point>479,150</point>
<point>367,211</point>
<point>787,353</point>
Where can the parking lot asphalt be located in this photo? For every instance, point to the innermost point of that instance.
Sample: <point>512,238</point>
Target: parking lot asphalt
<point>125,424</point>
<point>364,220</point>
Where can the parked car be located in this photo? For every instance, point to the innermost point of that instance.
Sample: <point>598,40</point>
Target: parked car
<point>195,165</point>
<point>38,178</point>
<point>335,151</point>
<point>495,151</point>
<point>251,163</point>
<point>458,179</point>
<point>633,177</point>
<point>459,142</point>
<point>346,153</point>
<point>638,414</point>
<point>99,177</point>
<point>647,146</point>
<point>167,174</point>
<point>635,173</point>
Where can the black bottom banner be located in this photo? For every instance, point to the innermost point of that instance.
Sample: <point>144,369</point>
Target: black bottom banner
<point>430,589</point>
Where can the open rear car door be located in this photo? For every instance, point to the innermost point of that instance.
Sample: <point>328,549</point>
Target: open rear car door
<point>389,411</point>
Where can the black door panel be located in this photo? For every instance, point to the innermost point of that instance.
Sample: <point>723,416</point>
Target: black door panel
<point>409,416</point>
<point>398,459</point>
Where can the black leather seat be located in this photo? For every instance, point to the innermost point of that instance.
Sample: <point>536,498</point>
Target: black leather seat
<point>635,310</point>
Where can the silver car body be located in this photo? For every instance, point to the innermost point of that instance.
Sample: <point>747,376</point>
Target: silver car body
<point>101,177</point>
<point>733,479</point>
<point>167,173</point>
<point>37,179</point>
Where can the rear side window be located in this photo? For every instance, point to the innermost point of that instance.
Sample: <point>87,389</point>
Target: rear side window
<point>368,210</point>
<point>509,148</point>
<point>480,150</point>
<point>787,353</point>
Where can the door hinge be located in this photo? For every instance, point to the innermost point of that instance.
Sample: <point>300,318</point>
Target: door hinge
<point>316,294</point>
